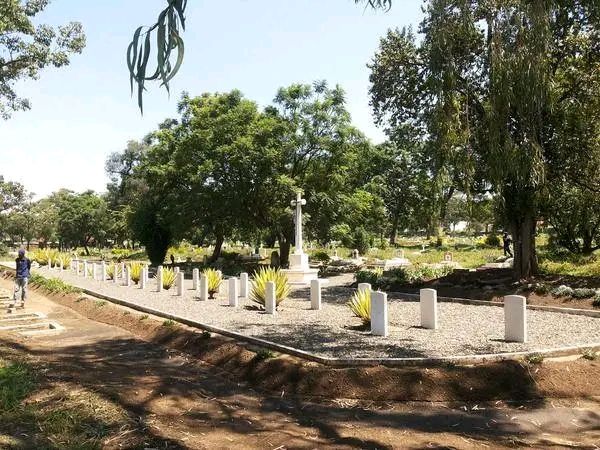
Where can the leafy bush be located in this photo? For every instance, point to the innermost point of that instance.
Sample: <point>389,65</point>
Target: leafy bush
<point>360,304</point>
<point>42,256</point>
<point>493,240</point>
<point>596,302</point>
<point>64,260</point>
<point>369,276</point>
<point>535,358</point>
<point>562,291</point>
<point>168,278</point>
<point>321,256</point>
<point>214,279</point>
<point>3,249</point>
<point>420,273</point>
<point>581,293</point>
<point>259,285</point>
<point>541,289</point>
<point>135,271</point>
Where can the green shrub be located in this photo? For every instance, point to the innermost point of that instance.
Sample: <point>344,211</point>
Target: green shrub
<point>320,256</point>
<point>111,269</point>
<point>541,289</point>
<point>360,304</point>
<point>169,323</point>
<point>259,285</point>
<point>562,291</point>
<point>534,358</point>
<point>263,354</point>
<point>596,302</point>
<point>492,240</point>
<point>581,293</point>
<point>168,278</point>
<point>52,285</point>
<point>369,276</point>
<point>214,279</point>
<point>361,240</point>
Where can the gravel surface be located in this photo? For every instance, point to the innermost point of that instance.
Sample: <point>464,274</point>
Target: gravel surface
<point>335,332</point>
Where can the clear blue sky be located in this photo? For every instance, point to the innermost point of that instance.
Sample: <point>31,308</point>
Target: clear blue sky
<point>83,112</point>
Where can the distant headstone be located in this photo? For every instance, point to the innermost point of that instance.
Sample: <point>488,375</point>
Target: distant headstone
<point>515,318</point>
<point>159,279</point>
<point>196,279</point>
<point>180,283</point>
<point>203,287</point>
<point>448,257</point>
<point>275,260</point>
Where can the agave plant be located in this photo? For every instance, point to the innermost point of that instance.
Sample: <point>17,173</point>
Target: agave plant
<point>360,304</point>
<point>259,285</point>
<point>214,279</point>
<point>168,278</point>
<point>135,270</point>
<point>112,269</point>
<point>63,260</point>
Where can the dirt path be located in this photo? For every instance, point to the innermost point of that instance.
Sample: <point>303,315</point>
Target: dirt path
<point>180,403</point>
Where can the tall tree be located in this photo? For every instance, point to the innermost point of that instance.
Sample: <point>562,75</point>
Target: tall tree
<point>26,49</point>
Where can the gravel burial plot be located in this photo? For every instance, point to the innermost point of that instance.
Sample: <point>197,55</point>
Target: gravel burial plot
<point>335,332</point>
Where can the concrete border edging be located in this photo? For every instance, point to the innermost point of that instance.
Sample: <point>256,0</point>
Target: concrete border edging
<point>353,362</point>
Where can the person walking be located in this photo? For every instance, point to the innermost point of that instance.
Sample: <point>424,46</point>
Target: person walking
<point>23,266</point>
<point>506,240</point>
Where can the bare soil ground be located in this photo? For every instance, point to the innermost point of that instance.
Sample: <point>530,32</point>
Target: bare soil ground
<point>171,387</point>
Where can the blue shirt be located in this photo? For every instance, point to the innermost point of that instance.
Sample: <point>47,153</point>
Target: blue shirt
<point>23,266</point>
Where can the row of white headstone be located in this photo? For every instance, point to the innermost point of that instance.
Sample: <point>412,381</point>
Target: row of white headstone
<point>515,313</point>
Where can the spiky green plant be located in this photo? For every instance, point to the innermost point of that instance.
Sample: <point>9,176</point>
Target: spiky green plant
<point>360,304</point>
<point>168,278</point>
<point>214,279</point>
<point>64,260</point>
<point>259,284</point>
<point>135,270</point>
<point>111,269</point>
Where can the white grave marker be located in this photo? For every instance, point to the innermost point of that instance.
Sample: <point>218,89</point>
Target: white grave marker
<point>315,294</point>
<point>233,292</point>
<point>159,279</point>
<point>270,298</point>
<point>244,285</point>
<point>203,287</point>
<point>180,283</point>
<point>428,304</point>
<point>379,314</point>
<point>85,269</point>
<point>196,279</point>
<point>144,278</point>
<point>515,318</point>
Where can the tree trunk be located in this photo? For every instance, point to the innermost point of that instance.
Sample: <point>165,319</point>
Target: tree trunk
<point>394,232</point>
<point>586,248</point>
<point>525,261</point>
<point>218,245</point>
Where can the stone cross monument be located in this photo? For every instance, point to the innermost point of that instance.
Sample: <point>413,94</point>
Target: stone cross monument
<point>299,271</point>
<point>298,203</point>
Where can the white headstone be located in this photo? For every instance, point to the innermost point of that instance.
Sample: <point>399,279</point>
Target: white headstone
<point>379,314</point>
<point>159,279</point>
<point>270,298</point>
<point>233,292</point>
<point>127,276</point>
<point>180,283</point>
<point>85,269</point>
<point>244,285</point>
<point>94,271</point>
<point>203,287</point>
<point>122,269</point>
<point>176,269</point>
<point>515,318</point>
<point>428,304</point>
<point>76,267</point>
<point>315,294</point>
<point>115,278</point>
<point>103,274</point>
<point>144,278</point>
<point>196,279</point>
<point>364,287</point>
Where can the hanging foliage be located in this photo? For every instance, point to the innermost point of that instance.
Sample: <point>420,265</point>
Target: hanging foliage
<point>167,33</point>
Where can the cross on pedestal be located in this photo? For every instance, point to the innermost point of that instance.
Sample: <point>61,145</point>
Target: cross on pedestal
<point>298,203</point>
